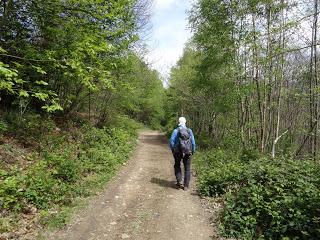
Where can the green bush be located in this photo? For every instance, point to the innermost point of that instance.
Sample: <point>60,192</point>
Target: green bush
<point>63,165</point>
<point>278,200</point>
<point>11,192</point>
<point>217,171</point>
<point>3,127</point>
<point>42,188</point>
<point>265,199</point>
<point>249,154</point>
<point>128,125</point>
<point>69,168</point>
<point>29,125</point>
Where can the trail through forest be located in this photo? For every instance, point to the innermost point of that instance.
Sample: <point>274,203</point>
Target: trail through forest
<point>142,203</point>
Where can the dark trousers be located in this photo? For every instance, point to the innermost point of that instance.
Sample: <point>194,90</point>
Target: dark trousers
<point>177,167</point>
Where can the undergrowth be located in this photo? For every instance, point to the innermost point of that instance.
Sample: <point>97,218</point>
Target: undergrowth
<point>69,164</point>
<point>264,198</point>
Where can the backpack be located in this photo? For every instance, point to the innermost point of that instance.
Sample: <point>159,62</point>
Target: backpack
<point>184,144</point>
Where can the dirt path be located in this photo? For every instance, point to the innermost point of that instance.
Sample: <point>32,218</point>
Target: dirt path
<point>142,203</point>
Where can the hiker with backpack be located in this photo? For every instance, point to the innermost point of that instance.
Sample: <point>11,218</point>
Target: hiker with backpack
<point>183,146</point>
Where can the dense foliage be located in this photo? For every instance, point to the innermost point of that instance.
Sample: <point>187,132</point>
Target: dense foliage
<point>73,83</point>
<point>70,164</point>
<point>248,84</point>
<point>249,75</point>
<point>64,57</point>
<point>71,79</point>
<point>264,199</point>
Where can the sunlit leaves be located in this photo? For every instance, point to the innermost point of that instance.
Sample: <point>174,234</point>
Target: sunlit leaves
<point>23,93</point>
<point>41,82</point>
<point>53,106</point>
<point>75,44</point>
<point>7,76</point>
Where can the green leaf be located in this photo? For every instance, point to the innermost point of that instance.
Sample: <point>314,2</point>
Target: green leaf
<point>41,82</point>
<point>19,80</point>
<point>39,70</point>
<point>23,93</point>
<point>7,85</point>
<point>53,107</point>
<point>41,96</point>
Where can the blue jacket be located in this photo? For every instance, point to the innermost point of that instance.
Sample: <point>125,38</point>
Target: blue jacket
<point>175,139</point>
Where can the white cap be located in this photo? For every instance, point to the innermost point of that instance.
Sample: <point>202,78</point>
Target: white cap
<point>182,120</point>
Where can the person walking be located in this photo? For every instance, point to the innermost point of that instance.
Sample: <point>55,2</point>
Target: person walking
<point>183,146</point>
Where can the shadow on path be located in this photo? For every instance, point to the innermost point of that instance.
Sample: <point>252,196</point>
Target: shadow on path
<point>163,183</point>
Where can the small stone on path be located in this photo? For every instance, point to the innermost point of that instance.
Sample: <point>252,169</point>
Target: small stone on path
<point>125,236</point>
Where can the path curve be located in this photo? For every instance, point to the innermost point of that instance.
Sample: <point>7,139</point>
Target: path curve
<point>141,202</point>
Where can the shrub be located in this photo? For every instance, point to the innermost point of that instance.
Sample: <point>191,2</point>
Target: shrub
<point>3,127</point>
<point>265,199</point>
<point>279,200</point>
<point>249,154</point>
<point>68,165</point>
<point>217,171</point>
<point>11,192</point>
<point>63,165</point>
<point>29,125</point>
<point>42,188</point>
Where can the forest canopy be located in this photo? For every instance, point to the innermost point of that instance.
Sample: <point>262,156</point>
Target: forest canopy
<point>249,75</point>
<point>63,57</point>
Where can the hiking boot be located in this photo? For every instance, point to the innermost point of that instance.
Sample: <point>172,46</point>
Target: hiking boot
<point>185,188</point>
<point>178,185</point>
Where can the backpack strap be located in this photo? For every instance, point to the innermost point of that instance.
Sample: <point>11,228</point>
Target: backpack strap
<point>189,131</point>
